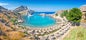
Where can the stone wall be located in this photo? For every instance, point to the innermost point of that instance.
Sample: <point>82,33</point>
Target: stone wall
<point>83,10</point>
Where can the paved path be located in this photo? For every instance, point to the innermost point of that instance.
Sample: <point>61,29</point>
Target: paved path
<point>58,35</point>
<point>83,24</point>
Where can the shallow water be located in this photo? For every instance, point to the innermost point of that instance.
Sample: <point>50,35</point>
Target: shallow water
<point>38,21</point>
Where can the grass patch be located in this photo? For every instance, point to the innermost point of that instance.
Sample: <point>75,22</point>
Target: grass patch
<point>78,33</point>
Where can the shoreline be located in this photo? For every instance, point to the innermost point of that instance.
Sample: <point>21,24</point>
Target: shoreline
<point>43,27</point>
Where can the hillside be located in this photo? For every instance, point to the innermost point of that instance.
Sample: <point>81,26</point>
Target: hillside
<point>8,25</point>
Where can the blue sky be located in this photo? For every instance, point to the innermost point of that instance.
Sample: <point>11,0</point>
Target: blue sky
<point>12,4</point>
<point>43,5</point>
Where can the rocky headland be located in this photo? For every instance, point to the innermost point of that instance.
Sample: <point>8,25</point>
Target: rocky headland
<point>9,29</point>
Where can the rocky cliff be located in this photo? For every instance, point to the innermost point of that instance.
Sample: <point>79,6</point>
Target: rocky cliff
<point>2,9</point>
<point>21,8</point>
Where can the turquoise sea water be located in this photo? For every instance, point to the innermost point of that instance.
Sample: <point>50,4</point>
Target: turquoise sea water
<point>38,21</point>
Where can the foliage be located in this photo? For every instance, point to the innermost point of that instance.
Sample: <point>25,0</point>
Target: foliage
<point>78,33</point>
<point>64,13</point>
<point>14,20</point>
<point>74,15</point>
<point>56,14</point>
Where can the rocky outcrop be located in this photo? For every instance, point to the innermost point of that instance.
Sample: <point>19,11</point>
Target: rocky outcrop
<point>2,9</point>
<point>59,12</point>
<point>30,11</point>
<point>83,10</point>
<point>21,8</point>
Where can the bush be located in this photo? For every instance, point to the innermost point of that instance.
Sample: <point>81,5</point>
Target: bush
<point>74,15</point>
<point>64,13</point>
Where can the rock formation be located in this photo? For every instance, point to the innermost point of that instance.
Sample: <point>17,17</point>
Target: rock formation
<point>21,8</point>
<point>83,10</point>
<point>2,9</point>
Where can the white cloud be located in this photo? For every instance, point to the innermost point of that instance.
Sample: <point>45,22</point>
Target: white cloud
<point>84,5</point>
<point>3,4</point>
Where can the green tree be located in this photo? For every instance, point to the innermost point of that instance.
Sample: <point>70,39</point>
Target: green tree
<point>74,16</point>
<point>14,20</point>
<point>64,13</point>
<point>56,14</point>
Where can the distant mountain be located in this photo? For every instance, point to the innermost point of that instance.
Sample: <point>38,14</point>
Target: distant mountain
<point>30,11</point>
<point>2,9</point>
<point>21,8</point>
